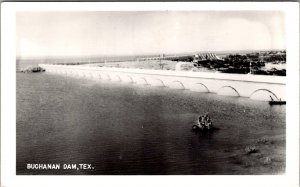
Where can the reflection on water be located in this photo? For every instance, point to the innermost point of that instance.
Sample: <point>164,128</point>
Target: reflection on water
<point>130,129</point>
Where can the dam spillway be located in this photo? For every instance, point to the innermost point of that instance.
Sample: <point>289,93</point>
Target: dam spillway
<point>258,87</point>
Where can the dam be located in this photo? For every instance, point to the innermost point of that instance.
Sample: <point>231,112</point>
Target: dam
<point>258,87</point>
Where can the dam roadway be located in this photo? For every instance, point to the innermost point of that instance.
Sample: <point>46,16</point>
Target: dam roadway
<point>258,87</point>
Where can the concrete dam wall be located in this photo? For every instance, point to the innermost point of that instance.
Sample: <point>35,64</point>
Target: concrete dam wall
<point>259,87</point>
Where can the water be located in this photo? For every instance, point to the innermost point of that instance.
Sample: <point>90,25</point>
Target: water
<point>129,129</point>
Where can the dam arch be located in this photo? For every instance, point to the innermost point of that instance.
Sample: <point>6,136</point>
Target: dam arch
<point>91,75</point>
<point>263,94</point>
<point>105,76</point>
<point>94,75</point>
<point>77,74</point>
<point>228,91</point>
<point>199,87</point>
<point>83,74</point>
<point>116,78</point>
<point>127,78</point>
<point>177,85</point>
<point>141,80</point>
<point>158,83</point>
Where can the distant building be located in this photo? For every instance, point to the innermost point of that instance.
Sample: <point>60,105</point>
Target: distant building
<point>196,57</point>
<point>206,56</point>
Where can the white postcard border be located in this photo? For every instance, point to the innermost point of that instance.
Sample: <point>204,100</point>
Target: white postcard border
<point>8,98</point>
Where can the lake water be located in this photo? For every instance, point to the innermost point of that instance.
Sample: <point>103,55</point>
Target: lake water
<point>124,128</point>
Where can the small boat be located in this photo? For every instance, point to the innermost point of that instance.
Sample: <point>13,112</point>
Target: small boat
<point>203,124</point>
<point>203,128</point>
<point>277,102</point>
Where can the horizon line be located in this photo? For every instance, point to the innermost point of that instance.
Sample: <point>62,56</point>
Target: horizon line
<point>143,54</point>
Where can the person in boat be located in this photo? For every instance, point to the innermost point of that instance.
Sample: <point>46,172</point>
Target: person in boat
<point>206,117</point>
<point>271,98</point>
<point>201,122</point>
<point>207,121</point>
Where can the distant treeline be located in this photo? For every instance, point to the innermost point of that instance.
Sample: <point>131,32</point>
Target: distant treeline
<point>183,58</point>
<point>241,64</point>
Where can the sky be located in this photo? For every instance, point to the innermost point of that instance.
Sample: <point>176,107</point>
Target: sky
<point>132,33</point>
